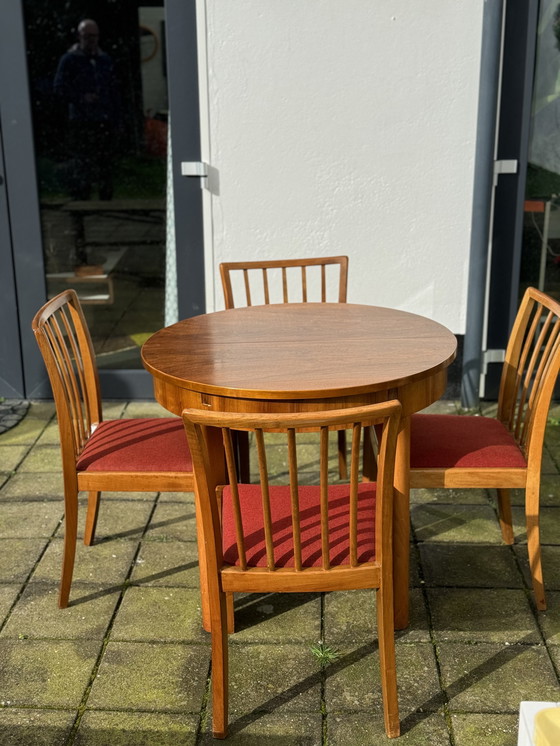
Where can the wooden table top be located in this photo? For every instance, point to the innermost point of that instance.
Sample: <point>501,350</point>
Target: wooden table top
<point>299,351</point>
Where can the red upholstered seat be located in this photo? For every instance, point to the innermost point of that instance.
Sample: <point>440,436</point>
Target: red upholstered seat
<point>449,441</point>
<point>143,444</point>
<point>310,515</point>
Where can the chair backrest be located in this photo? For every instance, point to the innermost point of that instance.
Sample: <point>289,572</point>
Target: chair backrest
<point>61,331</point>
<point>532,363</point>
<point>285,281</point>
<point>286,432</point>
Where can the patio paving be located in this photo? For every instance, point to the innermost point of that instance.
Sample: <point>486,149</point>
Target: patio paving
<point>129,664</point>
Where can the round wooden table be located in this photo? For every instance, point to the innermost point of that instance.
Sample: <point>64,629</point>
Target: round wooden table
<point>302,356</point>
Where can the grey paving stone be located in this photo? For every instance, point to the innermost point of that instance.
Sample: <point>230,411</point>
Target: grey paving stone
<point>42,459</point>
<point>455,523</point>
<point>488,729</point>
<point>151,677</point>
<point>353,683</point>
<point>160,614</point>
<point>277,617</point>
<point>18,557</point>
<point>136,729</point>
<point>549,525</point>
<point>351,616</point>
<point>353,728</point>
<point>8,594</point>
<point>33,486</point>
<point>46,673</point>
<point>550,564</point>
<point>11,456</point>
<point>274,678</point>
<point>482,615</point>
<point>29,518</point>
<point>495,678</point>
<point>105,563</point>
<point>173,521</point>
<point>37,615</point>
<point>30,727</point>
<point>468,565</point>
<point>549,620</point>
<point>26,432</point>
<point>118,519</point>
<point>286,729</point>
<point>449,496</point>
<point>169,563</point>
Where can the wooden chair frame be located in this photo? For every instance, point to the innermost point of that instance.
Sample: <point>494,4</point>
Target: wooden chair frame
<point>224,579</point>
<point>250,271</point>
<point>529,374</point>
<point>61,332</point>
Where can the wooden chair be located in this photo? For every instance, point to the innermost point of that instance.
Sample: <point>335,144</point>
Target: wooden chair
<point>267,537</point>
<point>127,455</point>
<point>286,281</point>
<point>505,452</point>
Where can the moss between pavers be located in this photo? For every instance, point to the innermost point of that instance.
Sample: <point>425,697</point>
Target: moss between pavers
<point>482,615</point>
<point>278,677</point>
<point>277,617</point>
<point>162,614</point>
<point>490,730</point>
<point>45,673</point>
<point>353,682</point>
<point>136,729</point>
<point>272,729</point>
<point>151,677</point>
<point>455,523</point>
<point>464,565</point>
<point>351,729</point>
<point>37,615</point>
<point>495,678</point>
<point>25,519</point>
<point>33,486</point>
<point>18,557</point>
<point>34,727</point>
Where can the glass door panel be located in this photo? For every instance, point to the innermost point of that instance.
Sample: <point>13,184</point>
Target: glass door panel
<point>540,260</point>
<point>100,102</point>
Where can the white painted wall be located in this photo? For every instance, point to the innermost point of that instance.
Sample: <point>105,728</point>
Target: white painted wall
<point>344,127</point>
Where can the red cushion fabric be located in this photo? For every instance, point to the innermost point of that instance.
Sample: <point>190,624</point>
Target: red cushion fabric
<point>310,519</point>
<point>143,444</point>
<point>445,441</point>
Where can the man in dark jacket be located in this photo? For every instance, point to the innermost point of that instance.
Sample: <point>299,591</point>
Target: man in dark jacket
<point>85,81</point>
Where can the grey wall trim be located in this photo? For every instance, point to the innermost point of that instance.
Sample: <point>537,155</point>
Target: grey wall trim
<point>482,200</point>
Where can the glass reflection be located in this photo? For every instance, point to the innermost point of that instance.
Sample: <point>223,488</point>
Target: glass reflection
<point>99,99</point>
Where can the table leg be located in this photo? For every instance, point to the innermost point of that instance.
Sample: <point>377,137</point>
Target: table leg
<point>401,525</point>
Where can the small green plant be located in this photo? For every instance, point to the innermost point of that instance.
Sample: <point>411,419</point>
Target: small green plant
<point>554,420</point>
<point>324,654</point>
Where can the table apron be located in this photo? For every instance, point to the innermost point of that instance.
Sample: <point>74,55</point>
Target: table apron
<point>413,396</point>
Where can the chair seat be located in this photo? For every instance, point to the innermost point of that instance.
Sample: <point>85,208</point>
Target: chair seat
<point>310,515</point>
<point>141,445</point>
<point>457,441</point>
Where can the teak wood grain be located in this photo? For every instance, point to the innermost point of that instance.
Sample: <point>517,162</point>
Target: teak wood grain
<point>306,357</point>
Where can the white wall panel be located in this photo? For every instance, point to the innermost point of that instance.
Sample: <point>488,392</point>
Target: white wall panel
<point>345,128</point>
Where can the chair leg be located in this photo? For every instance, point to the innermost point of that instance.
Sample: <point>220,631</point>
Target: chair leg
<point>219,667</point>
<point>91,517</point>
<point>69,552</point>
<point>387,662</point>
<point>532,495</point>
<point>342,454</point>
<point>230,614</point>
<point>504,512</point>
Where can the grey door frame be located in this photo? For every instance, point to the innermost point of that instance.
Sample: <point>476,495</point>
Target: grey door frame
<point>22,278</point>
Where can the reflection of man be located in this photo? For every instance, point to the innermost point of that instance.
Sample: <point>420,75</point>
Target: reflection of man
<point>85,81</point>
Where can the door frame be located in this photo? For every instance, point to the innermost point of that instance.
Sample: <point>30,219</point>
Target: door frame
<point>22,280</point>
